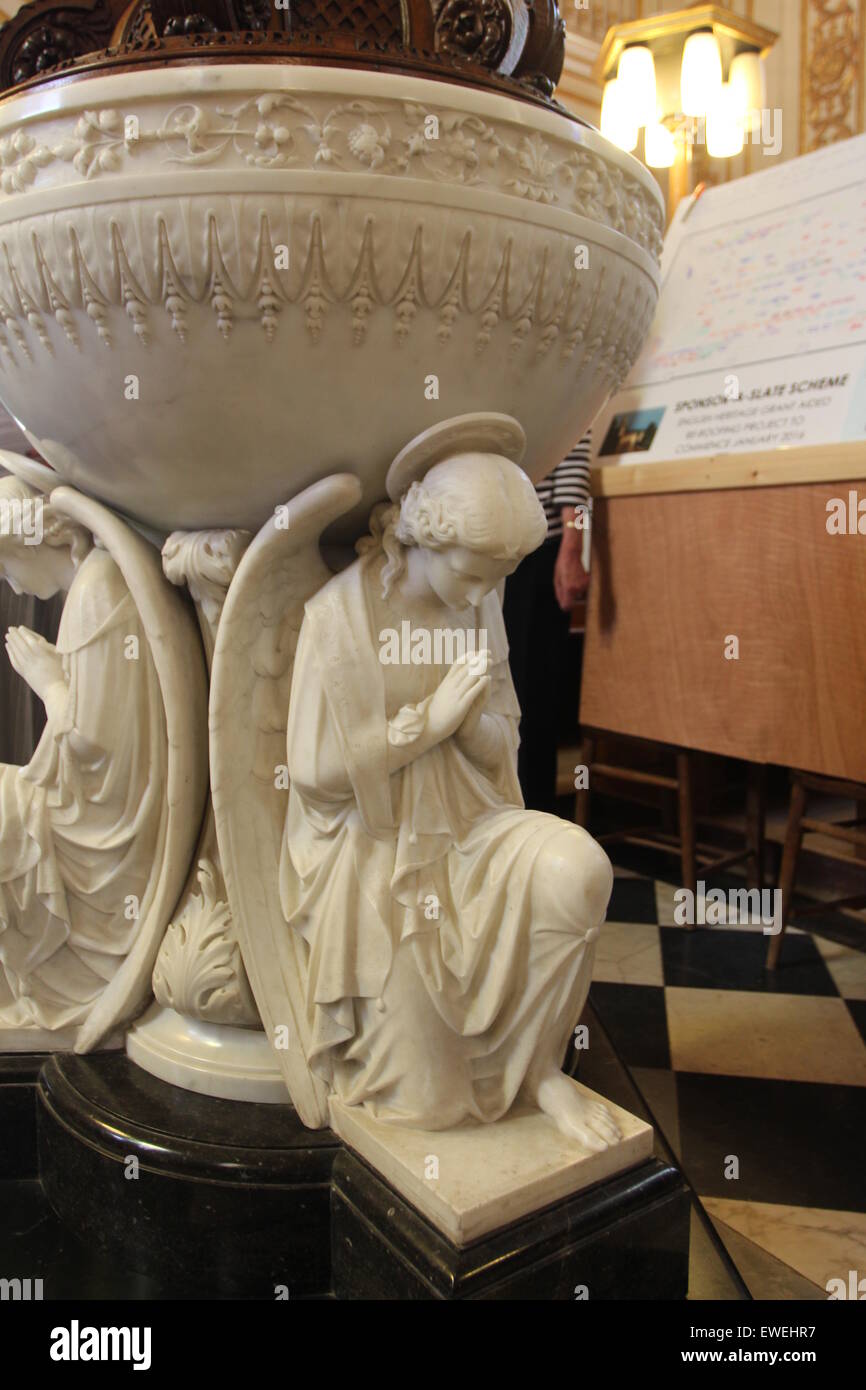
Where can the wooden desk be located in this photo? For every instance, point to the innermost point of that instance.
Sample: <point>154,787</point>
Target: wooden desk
<point>691,553</point>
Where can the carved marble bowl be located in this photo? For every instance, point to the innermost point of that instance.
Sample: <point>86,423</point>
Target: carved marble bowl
<point>219,282</point>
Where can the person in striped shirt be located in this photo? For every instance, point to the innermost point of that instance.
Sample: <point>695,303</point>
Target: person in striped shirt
<point>539,598</point>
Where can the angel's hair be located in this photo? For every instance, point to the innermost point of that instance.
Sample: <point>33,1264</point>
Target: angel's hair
<point>481,501</point>
<point>57,530</point>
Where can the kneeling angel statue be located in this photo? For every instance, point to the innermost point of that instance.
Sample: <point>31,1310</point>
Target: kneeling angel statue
<point>96,830</point>
<point>433,938</point>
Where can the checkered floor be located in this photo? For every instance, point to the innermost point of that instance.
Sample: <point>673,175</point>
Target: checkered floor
<point>756,1080</point>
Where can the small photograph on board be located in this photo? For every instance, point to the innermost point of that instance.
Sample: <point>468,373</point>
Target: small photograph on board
<point>632,432</point>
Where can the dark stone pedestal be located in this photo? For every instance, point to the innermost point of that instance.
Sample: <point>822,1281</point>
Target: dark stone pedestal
<point>625,1238</point>
<point>230,1198</point>
<point>187,1196</point>
<point>18,1075</point>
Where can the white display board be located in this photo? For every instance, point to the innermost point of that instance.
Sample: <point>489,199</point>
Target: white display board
<point>759,341</point>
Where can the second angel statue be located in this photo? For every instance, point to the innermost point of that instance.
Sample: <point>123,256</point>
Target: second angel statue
<point>432,942</point>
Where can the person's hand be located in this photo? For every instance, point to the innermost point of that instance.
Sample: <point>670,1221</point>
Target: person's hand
<point>464,687</point>
<point>36,660</point>
<point>570,579</point>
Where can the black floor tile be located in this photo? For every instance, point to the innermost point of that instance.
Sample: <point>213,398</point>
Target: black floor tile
<point>857,1010</point>
<point>797,1143</point>
<point>636,1020</point>
<point>835,926</point>
<point>725,958</point>
<point>633,900</point>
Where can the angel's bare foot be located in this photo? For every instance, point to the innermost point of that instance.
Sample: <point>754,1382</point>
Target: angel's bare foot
<point>589,1121</point>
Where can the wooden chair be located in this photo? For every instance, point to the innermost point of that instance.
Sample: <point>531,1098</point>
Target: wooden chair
<point>851,831</point>
<point>683,843</point>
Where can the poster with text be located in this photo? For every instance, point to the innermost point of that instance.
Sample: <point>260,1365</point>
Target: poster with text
<point>759,341</point>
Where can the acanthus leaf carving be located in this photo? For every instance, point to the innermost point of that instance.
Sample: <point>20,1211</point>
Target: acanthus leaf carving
<point>199,972</point>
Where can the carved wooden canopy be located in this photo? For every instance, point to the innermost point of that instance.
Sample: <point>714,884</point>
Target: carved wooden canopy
<point>514,45</point>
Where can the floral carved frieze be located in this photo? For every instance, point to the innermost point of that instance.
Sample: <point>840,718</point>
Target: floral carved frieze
<point>396,139</point>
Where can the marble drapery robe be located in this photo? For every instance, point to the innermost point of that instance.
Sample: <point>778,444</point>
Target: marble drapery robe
<point>83,823</point>
<point>433,979</point>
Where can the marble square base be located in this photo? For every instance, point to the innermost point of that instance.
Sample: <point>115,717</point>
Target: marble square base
<point>36,1040</point>
<point>476,1178</point>
<point>624,1238</point>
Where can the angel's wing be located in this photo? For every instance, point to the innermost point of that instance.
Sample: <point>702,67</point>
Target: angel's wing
<point>176,649</point>
<point>249,703</point>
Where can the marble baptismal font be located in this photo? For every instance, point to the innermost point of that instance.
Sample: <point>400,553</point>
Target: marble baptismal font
<point>290,340</point>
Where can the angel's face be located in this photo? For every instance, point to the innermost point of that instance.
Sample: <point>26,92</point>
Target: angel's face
<point>41,570</point>
<point>460,578</point>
